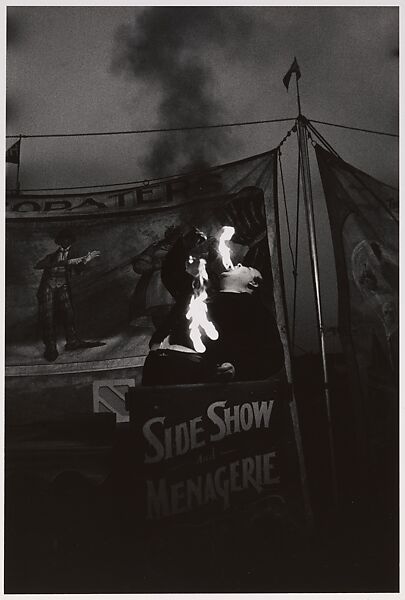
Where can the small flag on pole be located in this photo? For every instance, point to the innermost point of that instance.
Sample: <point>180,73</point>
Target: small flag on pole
<point>13,153</point>
<point>293,69</point>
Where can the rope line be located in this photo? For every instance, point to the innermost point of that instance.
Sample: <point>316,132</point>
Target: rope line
<point>287,135</point>
<point>322,140</point>
<point>162,130</point>
<point>194,127</point>
<point>126,184</point>
<point>296,253</point>
<point>356,128</point>
<point>104,185</point>
<point>132,183</point>
<point>354,173</point>
<point>286,210</point>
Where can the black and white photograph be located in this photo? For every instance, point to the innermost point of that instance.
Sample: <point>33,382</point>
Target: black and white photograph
<point>201,353</point>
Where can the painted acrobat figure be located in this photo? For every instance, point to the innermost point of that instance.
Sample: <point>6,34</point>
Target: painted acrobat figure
<point>54,295</point>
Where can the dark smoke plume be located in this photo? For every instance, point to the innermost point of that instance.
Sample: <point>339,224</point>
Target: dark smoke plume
<point>165,48</point>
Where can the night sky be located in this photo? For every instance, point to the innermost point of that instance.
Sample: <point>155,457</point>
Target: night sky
<point>95,69</point>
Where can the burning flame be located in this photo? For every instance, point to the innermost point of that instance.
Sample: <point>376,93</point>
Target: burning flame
<point>197,310</point>
<point>223,248</point>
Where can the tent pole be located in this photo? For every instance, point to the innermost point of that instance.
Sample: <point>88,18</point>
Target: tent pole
<point>309,212</point>
<point>281,307</point>
<point>298,95</point>
<point>18,167</point>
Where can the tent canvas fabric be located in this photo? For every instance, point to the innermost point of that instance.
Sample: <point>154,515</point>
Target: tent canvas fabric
<point>117,295</point>
<point>363,214</point>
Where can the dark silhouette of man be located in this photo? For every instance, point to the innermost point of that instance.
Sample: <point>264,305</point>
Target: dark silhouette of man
<point>248,345</point>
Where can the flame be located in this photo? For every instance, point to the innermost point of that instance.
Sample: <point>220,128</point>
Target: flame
<point>197,310</point>
<point>223,248</point>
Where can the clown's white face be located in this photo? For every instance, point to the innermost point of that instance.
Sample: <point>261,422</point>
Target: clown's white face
<point>241,279</point>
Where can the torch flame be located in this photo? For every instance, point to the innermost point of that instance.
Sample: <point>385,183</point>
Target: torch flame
<point>197,310</point>
<point>223,248</point>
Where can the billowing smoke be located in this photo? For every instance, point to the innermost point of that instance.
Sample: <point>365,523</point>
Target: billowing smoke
<point>166,48</point>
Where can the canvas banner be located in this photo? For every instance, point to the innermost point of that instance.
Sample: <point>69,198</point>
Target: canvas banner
<point>363,214</point>
<point>119,298</point>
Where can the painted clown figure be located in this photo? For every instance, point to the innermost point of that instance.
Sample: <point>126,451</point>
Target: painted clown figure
<point>54,295</point>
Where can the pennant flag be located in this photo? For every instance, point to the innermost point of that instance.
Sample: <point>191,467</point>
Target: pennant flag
<point>363,214</point>
<point>13,153</point>
<point>293,69</point>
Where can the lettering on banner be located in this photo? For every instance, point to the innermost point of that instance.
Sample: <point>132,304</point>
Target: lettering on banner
<point>217,473</point>
<point>254,472</point>
<point>159,194</point>
<point>177,440</point>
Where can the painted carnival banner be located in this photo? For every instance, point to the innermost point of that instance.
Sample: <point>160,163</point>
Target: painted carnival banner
<point>363,214</point>
<point>204,451</point>
<point>109,290</point>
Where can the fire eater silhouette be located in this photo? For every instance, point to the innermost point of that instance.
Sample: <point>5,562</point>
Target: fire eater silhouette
<point>248,346</point>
